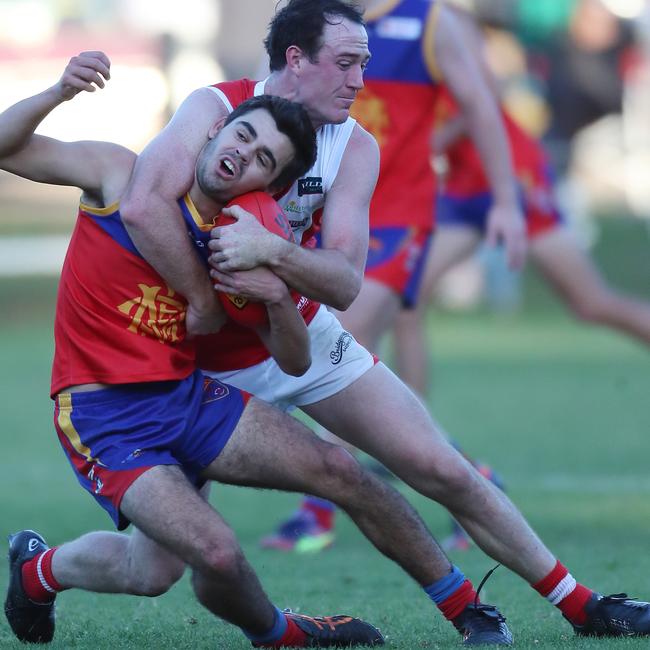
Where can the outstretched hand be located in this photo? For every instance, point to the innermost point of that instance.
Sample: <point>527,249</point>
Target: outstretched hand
<point>82,72</point>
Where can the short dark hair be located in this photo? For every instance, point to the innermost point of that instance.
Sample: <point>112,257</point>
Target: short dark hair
<point>291,119</point>
<point>301,23</point>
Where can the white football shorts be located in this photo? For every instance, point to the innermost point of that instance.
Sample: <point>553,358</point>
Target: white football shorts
<point>337,360</point>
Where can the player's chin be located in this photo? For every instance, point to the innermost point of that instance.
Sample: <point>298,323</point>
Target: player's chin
<point>338,116</point>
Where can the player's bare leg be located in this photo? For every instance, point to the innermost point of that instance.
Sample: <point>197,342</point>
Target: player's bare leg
<point>270,449</point>
<point>167,508</point>
<point>311,527</point>
<point>373,312</point>
<point>276,451</point>
<point>389,422</point>
<point>117,563</point>
<point>577,281</point>
<point>450,246</point>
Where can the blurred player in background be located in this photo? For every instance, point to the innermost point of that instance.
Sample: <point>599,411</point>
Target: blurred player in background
<point>463,204</point>
<point>400,260</point>
<point>318,51</point>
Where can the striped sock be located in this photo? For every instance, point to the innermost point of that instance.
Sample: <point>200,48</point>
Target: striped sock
<point>560,588</point>
<point>452,593</point>
<point>39,582</point>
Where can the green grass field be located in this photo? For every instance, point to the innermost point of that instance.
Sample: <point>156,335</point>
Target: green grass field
<point>562,411</point>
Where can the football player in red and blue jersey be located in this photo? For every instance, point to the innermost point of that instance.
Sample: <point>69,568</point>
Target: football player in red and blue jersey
<point>463,202</point>
<point>318,53</point>
<point>143,429</point>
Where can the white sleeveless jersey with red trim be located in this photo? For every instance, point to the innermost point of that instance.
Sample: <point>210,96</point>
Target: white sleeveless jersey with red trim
<point>303,201</point>
<point>235,347</point>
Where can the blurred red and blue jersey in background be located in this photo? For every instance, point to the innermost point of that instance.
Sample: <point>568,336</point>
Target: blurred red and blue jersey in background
<point>397,107</point>
<point>465,196</point>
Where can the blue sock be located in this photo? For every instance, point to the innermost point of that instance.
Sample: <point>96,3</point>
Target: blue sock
<point>441,589</point>
<point>275,633</point>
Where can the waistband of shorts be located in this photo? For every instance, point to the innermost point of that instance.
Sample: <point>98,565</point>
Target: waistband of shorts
<point>122,392</point>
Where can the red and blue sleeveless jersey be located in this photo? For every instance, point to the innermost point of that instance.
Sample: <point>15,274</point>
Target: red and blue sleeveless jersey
<point>397,107</point>
<point>466,177</point>
<point>117,321</point>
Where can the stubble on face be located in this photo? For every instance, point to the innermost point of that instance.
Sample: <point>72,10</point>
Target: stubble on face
<point>211,190</point>
<point>330,82</point>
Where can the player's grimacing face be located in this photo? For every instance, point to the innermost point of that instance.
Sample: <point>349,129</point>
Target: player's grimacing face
<point>245,155</point>
<point>327,87</point>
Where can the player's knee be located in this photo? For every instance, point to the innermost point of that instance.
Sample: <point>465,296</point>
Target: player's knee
<point>442,473</point>
<point>222,563</point>
<point>220,557</point>
<point>340,470</point>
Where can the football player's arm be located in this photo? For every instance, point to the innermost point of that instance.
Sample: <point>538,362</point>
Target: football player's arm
<point>85,164</point>
<point>165,171</point>
<point>447,134</point>
<point>18,122</point>
<point>285,336</point>
<point>333,273</point>
<point>464,74</point>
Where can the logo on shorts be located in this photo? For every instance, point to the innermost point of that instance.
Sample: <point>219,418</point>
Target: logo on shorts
<point>341,345</point>
<point>96,480</point>
<point>33,544</point>
<point>213,390</point>
<point>136,453</point>
<point>310,185</point>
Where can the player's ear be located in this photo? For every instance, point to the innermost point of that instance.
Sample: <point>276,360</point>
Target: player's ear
<point>216,127</point>
<point>294,57</point>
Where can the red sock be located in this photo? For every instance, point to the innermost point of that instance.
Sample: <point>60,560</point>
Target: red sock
<point>293,637</point>
<point>456,603</point>
<point>324,515</point>
<point>39,583</point>
<point>570,597</point>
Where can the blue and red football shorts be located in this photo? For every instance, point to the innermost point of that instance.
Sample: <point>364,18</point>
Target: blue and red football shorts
<point>540,209</point>
<point>396,257</point>
<point>113,435</point>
